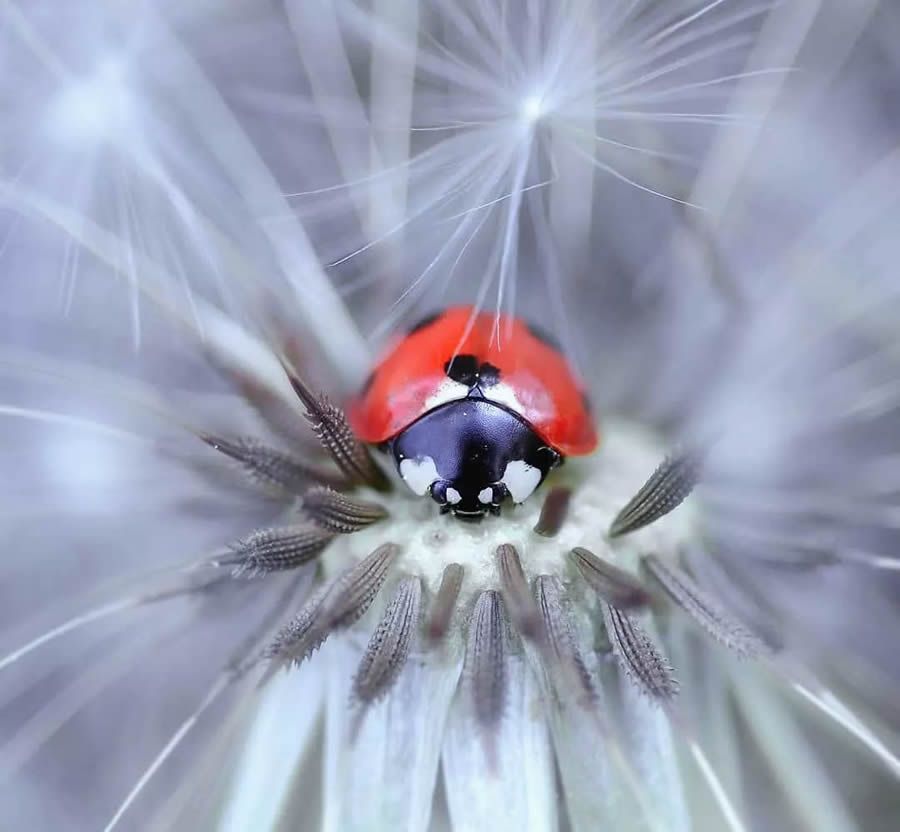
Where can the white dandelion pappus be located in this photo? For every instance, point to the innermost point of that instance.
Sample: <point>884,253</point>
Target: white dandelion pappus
<point>467,671</point>
<point>510,113</point>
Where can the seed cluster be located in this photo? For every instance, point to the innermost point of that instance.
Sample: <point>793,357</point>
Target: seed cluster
<point>487,603</point>
<point>535,609</point>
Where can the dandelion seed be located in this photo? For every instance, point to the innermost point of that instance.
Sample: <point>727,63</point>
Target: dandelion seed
<point>274,550</point>
<point>517,594</point>
<point>645,665</point>
<point>663,492</point>
<point>271,466</point>
<point>559,630</point>
<point>616,586</point>
<point>304,634</point>
<point>339,513</point>
<point>706,612</point>
<point>553,512</point>
<point>389,646</point>
<point>330,425</point>
<point>486,659</point>
<point>443,607</point>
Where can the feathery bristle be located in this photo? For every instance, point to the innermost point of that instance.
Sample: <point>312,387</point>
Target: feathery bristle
<point>704,610</point>
<point>445,601</point>
<point>330,424</point>
<point>612,584</point>
<point>486,657</point>
<point>519,601</point>
<point>667,487</point>
<point>241,662</point>
<point>638,656</point>
<point>195,583</point>
<point>272,467</point>
<point>553,511</point>
<point>339,513</point>
<point>389,646</point>
<point>275,550</point>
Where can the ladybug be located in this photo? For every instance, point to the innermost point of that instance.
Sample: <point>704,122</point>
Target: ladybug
<point>467,421</point>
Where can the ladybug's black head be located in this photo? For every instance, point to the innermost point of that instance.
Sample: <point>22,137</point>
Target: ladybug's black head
<point>470,455</point>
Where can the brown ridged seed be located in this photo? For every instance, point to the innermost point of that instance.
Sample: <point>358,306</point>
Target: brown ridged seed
<point>339,513</point>
<point>486,658</point>
<point>352,594</point>
<point>445,601</point>
<point>643,663</point>
<point>519,601</point>
<point>330,424</point>
<point>746,603</point>
<point>667,487</point>
<point>612,584</point>
<point>301,636</point>
<point>271,467</point>
<point>705,610</point>
<point>550,600</point>
<point>275,550</point>
<point>553,511</point>
<point>333,607</point>
<point>389,646</point>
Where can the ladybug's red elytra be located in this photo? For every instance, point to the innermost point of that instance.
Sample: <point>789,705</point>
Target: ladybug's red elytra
<point>470,422</point>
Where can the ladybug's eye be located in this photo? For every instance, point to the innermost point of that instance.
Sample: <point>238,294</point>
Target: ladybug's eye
<point>445,494</point>
<point>439,491</point>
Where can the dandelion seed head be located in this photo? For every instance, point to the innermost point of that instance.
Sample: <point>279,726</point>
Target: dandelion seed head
<point>310,173</point>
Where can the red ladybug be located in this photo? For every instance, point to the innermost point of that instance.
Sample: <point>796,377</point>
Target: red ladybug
<point>470,422</point>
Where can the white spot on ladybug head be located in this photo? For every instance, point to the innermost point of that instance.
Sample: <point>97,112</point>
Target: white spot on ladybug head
<point>419,474</point>
<point>453,496</point>
<point>486,495</point>
<point>520,479</point>
<point>505,394</point>
<point>447,391</point>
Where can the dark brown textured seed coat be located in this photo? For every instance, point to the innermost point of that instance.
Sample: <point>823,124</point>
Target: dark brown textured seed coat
<point>667,487</point>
